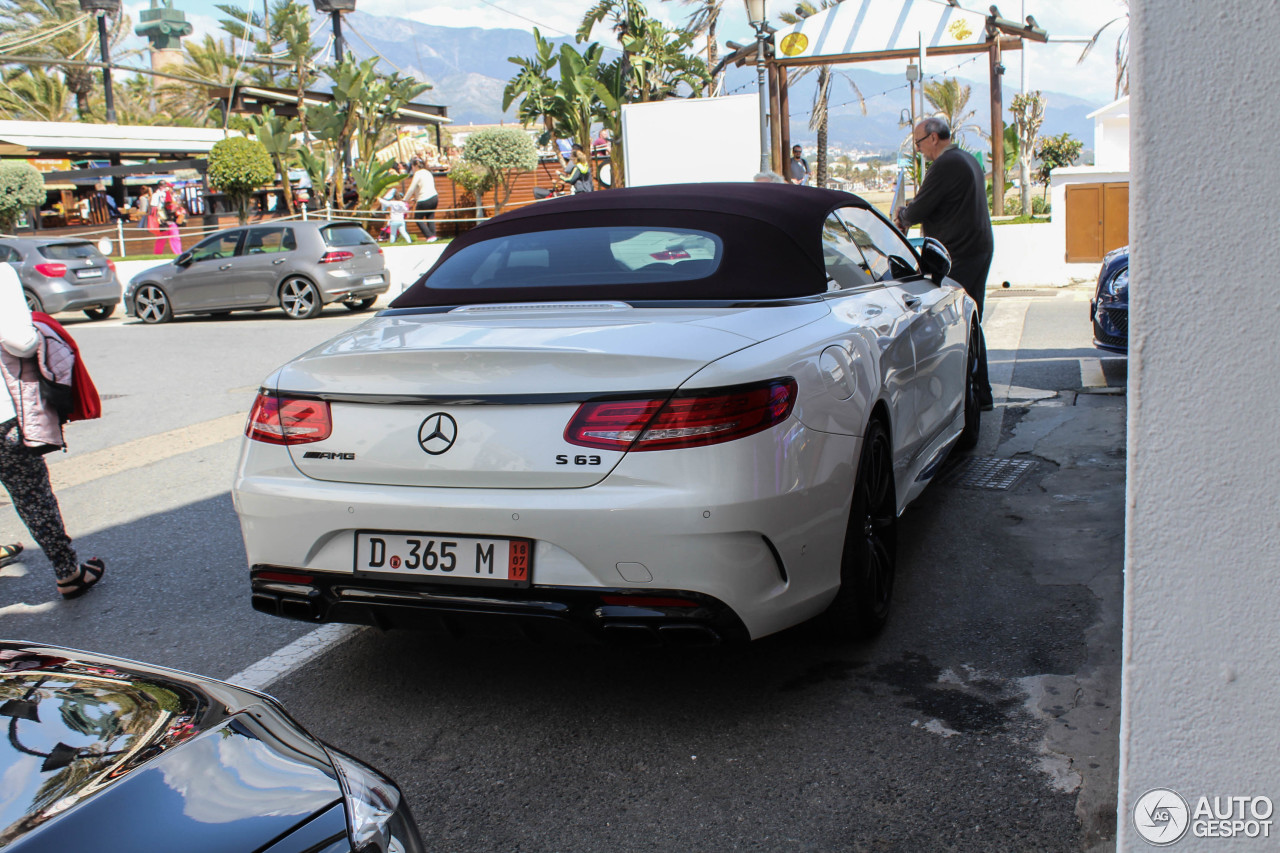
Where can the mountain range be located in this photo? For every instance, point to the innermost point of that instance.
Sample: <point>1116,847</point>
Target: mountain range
<point>468,68</point>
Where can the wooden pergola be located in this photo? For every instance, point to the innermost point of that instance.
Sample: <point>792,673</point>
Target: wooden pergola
<point>794,48</point>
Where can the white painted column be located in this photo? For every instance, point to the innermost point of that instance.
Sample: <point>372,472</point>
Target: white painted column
<point>1201,690</point>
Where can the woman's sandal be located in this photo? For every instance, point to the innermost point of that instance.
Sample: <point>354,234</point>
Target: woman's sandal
<point>90,573</point>
<point>9,553</point>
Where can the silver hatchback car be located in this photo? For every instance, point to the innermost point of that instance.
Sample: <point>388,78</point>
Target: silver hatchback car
<point>63,274</point>
<point>298,266</point>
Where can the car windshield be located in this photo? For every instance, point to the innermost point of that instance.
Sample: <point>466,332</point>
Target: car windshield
<point>582,256</point>
<point>68,251</point>
<point>347,235</point>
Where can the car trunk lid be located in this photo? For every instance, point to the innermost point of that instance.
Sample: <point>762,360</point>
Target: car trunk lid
<point>481,397</point>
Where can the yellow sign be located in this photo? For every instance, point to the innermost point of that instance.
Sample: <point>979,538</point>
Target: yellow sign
<point>794,44</point>
<point>960,30</point>
<point>50,165</point>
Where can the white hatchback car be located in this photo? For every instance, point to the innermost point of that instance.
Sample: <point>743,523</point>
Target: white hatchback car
<point>543,432</point>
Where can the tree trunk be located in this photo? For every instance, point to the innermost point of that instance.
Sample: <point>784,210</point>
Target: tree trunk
<point>712,56</point>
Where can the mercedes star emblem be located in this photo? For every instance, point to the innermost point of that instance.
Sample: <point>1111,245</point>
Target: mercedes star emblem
<point>437,433</point>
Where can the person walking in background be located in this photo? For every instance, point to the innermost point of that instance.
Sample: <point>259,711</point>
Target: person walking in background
<point>28,427</point>
<point>164,206</point>
<point>396,210</point>
<point>578,172</point>
<point>951,206</point>
<point>798,167</point>
<point>424,198</point>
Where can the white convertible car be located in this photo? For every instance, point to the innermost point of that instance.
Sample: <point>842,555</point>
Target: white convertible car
<point>683,414</point>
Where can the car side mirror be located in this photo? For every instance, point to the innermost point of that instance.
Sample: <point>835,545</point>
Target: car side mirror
<point>183,260</point>
<point>935,260</point>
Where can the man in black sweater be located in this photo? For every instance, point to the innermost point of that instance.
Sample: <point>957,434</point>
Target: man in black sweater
<point>952,208</point>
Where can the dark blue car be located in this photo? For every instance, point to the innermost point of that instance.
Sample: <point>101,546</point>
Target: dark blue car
<point>1109,308</point>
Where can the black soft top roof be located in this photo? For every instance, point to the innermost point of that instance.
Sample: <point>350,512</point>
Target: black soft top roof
<point>771,235</point>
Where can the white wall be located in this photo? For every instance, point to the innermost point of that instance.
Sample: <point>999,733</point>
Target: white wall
<point>1201,684</point>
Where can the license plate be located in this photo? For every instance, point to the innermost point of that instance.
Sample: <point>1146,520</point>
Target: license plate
<point>373,279</point>
<point>445,557</point>
<point>89,273</point>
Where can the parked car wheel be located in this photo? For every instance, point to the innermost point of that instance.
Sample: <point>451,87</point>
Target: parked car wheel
<point>151,304</point>
<point>972,408</point>
<point>360,304</point>
<point>299,299</point>
<point>33,301</point>
<point>869,561</point>
<point>100,313</point>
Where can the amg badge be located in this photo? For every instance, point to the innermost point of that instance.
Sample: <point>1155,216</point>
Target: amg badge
<point>321,454</point>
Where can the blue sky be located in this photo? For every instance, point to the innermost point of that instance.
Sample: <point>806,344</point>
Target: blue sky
<point>1052,67</point>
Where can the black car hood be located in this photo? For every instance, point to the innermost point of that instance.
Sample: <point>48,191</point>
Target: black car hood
<point>101,754</point>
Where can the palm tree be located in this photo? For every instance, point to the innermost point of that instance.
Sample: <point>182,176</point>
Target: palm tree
<point>34,95</point>
<point>949,99</point>
<point>59,30</point>
<point>702,22</point>
<point>1122,50</point>
<point>819,114</point>
<point>209,61</point>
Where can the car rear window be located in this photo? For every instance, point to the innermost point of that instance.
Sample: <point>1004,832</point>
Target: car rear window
<point>582,256</point>
<point>346,235</point>
<point>68,251</point>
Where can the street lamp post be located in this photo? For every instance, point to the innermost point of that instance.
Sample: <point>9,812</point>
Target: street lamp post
<point>335,8</point>
<point>102,8</point>
<point>756,15</point>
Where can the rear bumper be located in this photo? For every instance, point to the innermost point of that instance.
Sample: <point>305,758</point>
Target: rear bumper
<point>759,535</point>
<point>61,295</point>
<point>538,613</point>
<point>340,285</point>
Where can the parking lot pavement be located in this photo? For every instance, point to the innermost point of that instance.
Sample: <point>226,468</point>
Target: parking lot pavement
<point>983,718</point>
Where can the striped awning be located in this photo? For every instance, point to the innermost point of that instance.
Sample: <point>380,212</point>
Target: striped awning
<point>871,27</point>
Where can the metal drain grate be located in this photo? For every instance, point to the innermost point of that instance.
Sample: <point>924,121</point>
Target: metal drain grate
<point>986,473</point>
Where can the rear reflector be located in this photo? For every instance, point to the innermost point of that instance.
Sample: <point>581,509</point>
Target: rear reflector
<point>686,419</point>
<point>287,420</point>
<point>335,257</point>
<point>283,577</point>
<point>52,270</point>
<point>646,601</point>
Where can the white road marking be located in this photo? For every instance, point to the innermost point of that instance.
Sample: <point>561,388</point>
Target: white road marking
<point>13,570</point>
<point>301,651</point>
<point>24,609</point>
<point>1091,375</point>
<point>86,467</point>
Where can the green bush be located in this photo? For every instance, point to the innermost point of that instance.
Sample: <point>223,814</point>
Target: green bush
<point>21,188</point>
<point>237,167</point>
<point>502,153</point>
<point>1039,206</point>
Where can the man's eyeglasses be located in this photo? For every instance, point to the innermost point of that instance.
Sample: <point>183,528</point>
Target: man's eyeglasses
<point>923,138</point>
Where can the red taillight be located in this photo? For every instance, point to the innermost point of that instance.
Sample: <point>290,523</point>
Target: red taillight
<point>52,270</point>
<point>335,257</point>
<point>111,265</point>
<point>285,420</point>
<point>695,419</point>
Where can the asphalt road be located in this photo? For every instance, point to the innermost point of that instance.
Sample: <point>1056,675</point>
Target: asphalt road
<point>982,719</point>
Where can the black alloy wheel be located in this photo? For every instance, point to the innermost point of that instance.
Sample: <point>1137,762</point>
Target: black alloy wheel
<point>972,406</point>
<point>360,304</point>
<point>300,299</point>
<point>151,304</point>
<point>870,557</point>
<point>101,313</point>
<point>33,301</point>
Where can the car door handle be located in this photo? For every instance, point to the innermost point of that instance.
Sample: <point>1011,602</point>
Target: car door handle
<point>277,261</point>
<point>912,301</point>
